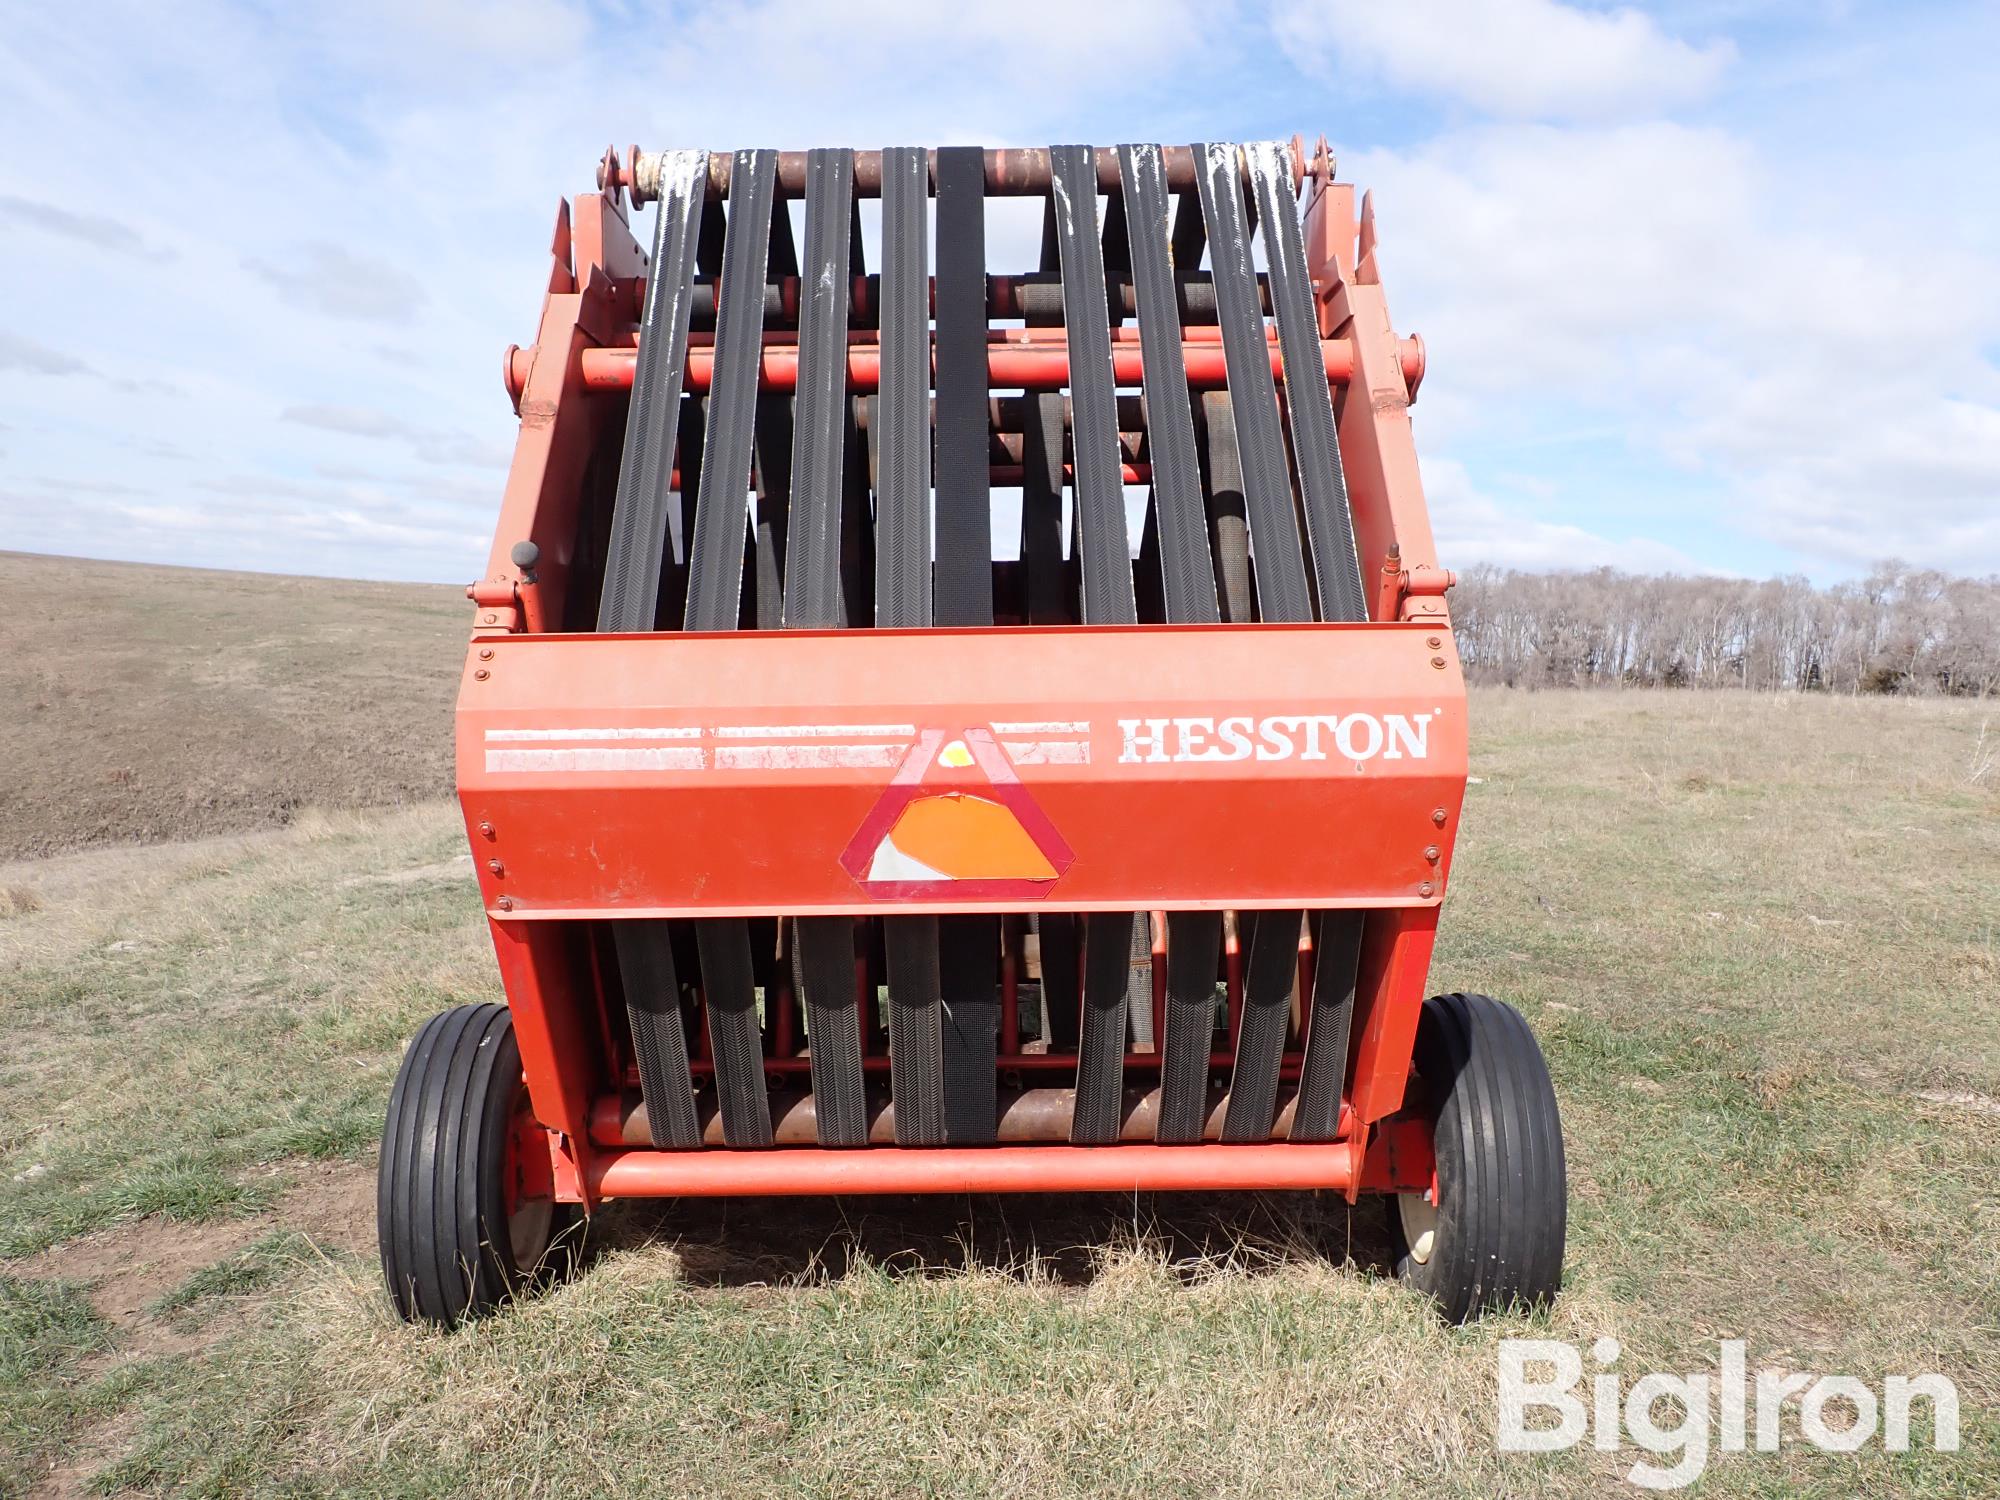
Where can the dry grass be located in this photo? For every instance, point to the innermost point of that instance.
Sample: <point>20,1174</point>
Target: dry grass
<point>167,703</point>
<point>1757,938</point>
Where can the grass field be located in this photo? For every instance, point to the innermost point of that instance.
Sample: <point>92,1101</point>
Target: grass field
<point>170,703</point>
<point>1757,937</point>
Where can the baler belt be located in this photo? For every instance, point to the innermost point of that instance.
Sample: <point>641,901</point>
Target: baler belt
<point>1323,1076</point>
<point>1316,445</point>
<point>1225,505</point>
<point>1044,590</point>
<point>823,947</point>
<point>1337,573</point>
<point>1282,593</point>
<point>1188,587</point>
<point>630,596</point>
<point>1272,943</point>
<point>968,946</point>
<point>639,529</point>
<point>1253,400</point>
<point>715,591</point>
<point>771,469</point>
<point>1108,598</point>
<point>964,570</point>
<point>902,600</point>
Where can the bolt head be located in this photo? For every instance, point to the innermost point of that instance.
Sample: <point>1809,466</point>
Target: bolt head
<point>486,829</point>
<point>1434,641</point>
<point>486,653</point>
<point>1431,853</point>
<point>1438,815</point>
<point>496,867</point>
<point>481,675</point>
<point>505,903</point>
<point>1438,662</point>
<point>1425,889</point>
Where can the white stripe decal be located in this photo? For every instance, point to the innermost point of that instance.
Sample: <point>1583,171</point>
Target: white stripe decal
<point>662,732</point>
<point>805,757</point>
<point>1046,752</point>
<point>810,731</point>
<point>661,758</point>
<point>1049,727</point>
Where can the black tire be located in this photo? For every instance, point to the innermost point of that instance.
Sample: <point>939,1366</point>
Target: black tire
<point>1496,1231</point>
<point>450,1247</point>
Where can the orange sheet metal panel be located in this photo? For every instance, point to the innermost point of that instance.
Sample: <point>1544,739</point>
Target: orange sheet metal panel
<point>1156,768</point>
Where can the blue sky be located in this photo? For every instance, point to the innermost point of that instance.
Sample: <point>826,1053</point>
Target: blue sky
<point>1706,286</point>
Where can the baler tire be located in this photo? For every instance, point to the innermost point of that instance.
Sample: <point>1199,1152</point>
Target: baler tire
<point>1498,1225</point>
<point>447,1240</point>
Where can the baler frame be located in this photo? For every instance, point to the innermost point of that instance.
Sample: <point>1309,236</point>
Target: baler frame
<point>591,763</point>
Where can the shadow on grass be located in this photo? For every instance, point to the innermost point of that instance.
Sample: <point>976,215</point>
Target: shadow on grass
<point>1066,1238</point>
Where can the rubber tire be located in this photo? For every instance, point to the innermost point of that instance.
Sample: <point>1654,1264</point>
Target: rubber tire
<point>440,1214</point>
<point>1503,1198</point>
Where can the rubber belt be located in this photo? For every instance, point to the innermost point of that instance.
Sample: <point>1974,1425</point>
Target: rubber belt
<point>1323,1076</point>
<point>1282,594</point>
<point>1337,571</point>
<point>715,586</point>
<point>823,947</point>
<point>901,433</point>
<point>1188,584</point>
<point>968,946</point>
<point>630,596</point>
<point>1106,558</point>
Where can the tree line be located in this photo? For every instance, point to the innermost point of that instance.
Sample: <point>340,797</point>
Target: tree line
<point>1900,629</point>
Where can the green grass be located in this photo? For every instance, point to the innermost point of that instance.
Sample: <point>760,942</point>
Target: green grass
<point>1757,938</point>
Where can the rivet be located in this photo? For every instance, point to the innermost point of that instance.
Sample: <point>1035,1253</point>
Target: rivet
<point>481,675</point>
<point>1438,815</point>
<point>505,903</point>
<point>496,867</point>
<point>486,653</point>
<point>1431,853</point>
<point>1425,889</point>
<point>1438,662</point>
<point>486,829</point>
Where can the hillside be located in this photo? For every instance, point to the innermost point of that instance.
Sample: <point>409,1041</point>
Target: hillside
<point>151,703</point>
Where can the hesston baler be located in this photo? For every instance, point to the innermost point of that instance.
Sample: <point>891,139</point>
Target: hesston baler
<point>829,848</point>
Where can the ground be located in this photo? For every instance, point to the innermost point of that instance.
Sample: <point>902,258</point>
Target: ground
<point>1756,936</point>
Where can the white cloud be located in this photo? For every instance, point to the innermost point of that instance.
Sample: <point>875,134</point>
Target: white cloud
<point>341,283</point>
<point>1648,280</point>
<point>1472,527</point>
<point>1521,59</point>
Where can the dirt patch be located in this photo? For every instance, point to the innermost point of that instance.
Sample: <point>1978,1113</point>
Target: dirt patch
<point>1964,1099</point>
<point>458,867</point>
<point>129,1268</point>
<point>148,704</point>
